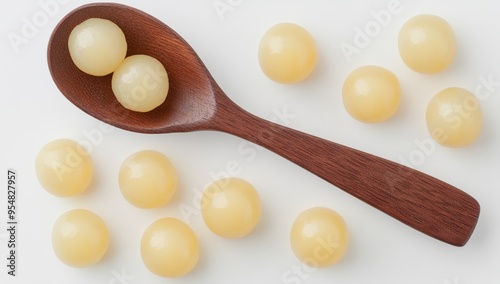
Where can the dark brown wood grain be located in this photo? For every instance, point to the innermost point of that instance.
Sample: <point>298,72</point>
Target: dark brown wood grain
<point>195,102</point>
<point>416,199</point>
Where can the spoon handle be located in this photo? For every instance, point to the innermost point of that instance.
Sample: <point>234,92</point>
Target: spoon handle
<point>427,204</point>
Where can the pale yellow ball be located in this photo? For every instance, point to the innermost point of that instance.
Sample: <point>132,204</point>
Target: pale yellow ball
<point>371,94</point>
<point>287,53</point>
<point>319,237</point>
<point>147,179</point>
<point>140,83</point>
<point>80,238</point>
<point>454,117</point>
<point>64,168</point>
<point>427,44</point>
<point>97,46</point>
<point>169,248</point>
<point>231,207</point>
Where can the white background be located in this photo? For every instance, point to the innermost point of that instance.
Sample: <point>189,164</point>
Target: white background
<point>382,250</point>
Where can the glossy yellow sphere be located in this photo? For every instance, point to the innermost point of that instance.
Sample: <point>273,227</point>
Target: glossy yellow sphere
<point>97,46</point>
<point>454,117</point>
<point>371,94</point>
<point>427,44</point>
<point>147,179</point>
<point>169,248</point>
<point>319,237</point>
<point>80,238</point>
<point>64,168</point>
<point>231,207</point>
<point>140,83</point>
<point>287,53</point>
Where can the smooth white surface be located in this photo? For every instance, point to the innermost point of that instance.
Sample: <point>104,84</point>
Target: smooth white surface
<point>382,250</point>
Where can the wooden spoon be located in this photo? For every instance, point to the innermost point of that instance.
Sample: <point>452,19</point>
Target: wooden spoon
<point>196,102</point>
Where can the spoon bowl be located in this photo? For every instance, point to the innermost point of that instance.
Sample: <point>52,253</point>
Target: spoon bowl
<point>196,102</point>
<point>191,100</point>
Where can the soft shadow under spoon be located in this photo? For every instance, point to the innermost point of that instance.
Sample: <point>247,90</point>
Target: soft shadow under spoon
<point>195,102</point>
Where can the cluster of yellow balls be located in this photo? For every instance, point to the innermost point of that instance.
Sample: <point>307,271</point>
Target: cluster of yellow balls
<point>372,94</point>
<point>230,207</point>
